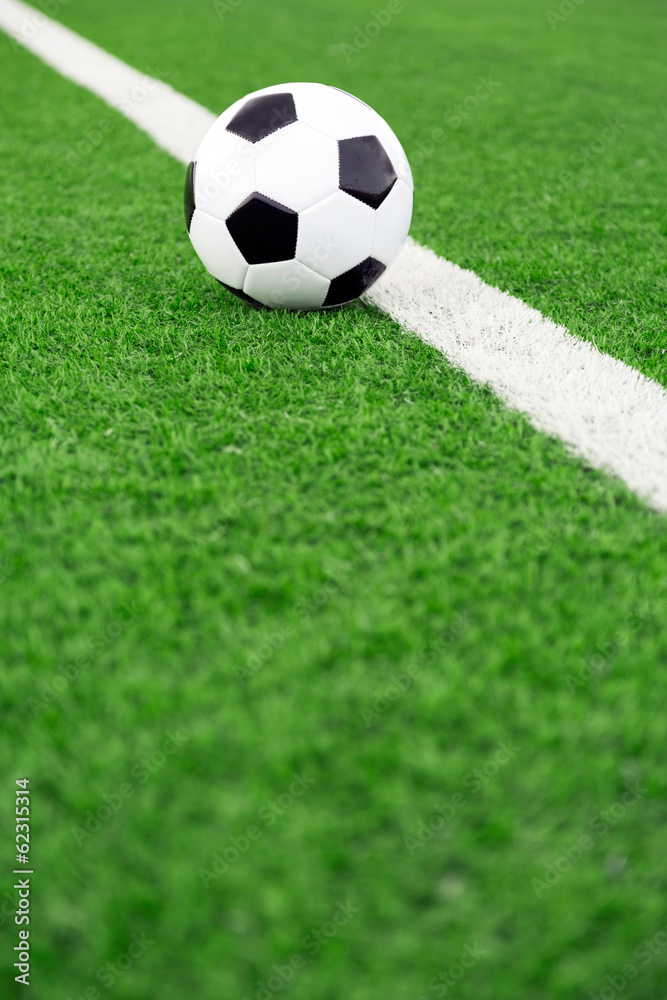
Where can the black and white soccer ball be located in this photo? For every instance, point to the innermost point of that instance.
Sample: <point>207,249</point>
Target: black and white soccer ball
<point>299,197</point>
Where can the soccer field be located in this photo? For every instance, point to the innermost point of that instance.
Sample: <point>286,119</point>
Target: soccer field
<point>332,675</point>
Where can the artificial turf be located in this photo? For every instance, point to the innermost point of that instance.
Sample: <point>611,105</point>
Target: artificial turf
<point>247,523</point>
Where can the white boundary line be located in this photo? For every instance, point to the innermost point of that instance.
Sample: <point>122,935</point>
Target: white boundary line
<point>603,409</point>
<point>172,120</point>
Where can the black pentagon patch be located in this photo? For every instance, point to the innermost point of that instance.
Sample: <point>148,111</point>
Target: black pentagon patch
<point>263,115</point>
<point>354,282</point>
<point>263,230</point>
<point>189,196</point>
<point>365,170</point>
<point>241,295</point>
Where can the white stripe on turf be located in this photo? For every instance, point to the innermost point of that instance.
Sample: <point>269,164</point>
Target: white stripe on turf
<point>172,120</point>
<point>604,410</point>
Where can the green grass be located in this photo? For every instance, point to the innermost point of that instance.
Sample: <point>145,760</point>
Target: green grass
<point>329,484</point>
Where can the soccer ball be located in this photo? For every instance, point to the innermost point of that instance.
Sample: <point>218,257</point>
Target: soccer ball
<point>299,197</point>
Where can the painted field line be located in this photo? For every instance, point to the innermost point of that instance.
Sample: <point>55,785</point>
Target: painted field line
<point>603,409</point>
<point>172,120</point>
